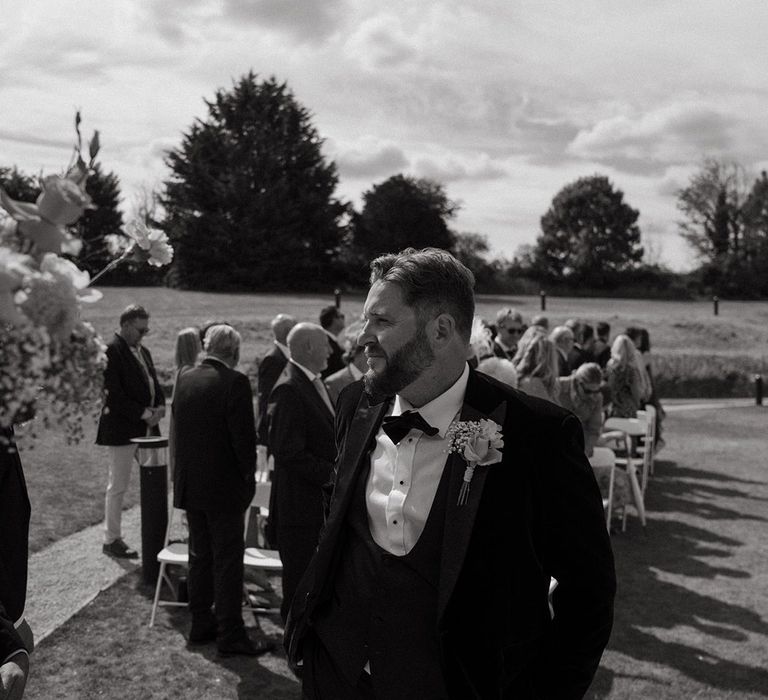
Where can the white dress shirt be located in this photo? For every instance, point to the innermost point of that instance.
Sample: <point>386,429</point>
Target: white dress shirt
<point>403,478</point>
<point>283,349</point>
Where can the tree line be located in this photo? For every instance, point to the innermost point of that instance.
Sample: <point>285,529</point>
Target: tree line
<point>250,205</point>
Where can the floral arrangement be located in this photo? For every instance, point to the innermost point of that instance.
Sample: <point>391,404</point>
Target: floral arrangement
<point>51,361</point>
<point>479,443</point>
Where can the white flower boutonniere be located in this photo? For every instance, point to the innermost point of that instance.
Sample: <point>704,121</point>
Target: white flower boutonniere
<point>479,443</point>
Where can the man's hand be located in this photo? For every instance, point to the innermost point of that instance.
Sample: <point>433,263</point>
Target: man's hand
<point>13,677</point>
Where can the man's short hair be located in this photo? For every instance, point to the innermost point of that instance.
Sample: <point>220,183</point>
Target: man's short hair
<point>132,312</point>
<point>432,282</point>
<point>328,315</point>
<point>541,321</point>
<point>222,341</point>
<point>508,312</point>
<point>587,333</point>
<point>603,329</point>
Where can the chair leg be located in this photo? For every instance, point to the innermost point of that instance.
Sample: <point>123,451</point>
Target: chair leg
<point>160,577</point>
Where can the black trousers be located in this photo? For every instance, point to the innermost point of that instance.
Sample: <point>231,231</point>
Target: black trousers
<point>322,680</point>
<point>297,545</point>
<point>216,569</point>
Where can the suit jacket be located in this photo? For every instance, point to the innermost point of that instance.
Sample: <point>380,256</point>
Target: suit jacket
<point>335,359</point>
<point>302,441</point>
<point>14,526</point>
<point>126,395</point>
<point>537,514</point>
<point>270,369</point>
<point>215,437</point>
<point>337,381</point>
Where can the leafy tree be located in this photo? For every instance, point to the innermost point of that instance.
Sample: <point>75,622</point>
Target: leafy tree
<point>589,234</point>
<point>712,205</point>
<point>400,212</point>
<point>21,187</point>
<point>472,249</point>
<point>754,249</point>
<point>249,204</point>
<point>104,220</point>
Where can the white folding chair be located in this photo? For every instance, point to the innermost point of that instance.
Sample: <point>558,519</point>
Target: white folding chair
<point>603,460</point>
<point>172,553</point>
<point>621,431</point>
<point>647,443</point>
<point>257,559</point>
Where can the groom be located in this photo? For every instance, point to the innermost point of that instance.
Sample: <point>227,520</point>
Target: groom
<point>420,588</point>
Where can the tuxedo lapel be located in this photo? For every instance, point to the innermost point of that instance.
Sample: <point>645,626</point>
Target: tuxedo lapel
<point>480,402</point>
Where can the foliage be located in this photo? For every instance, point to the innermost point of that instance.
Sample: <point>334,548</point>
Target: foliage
<point>472,249</point>
<point>18,185</point>
<point>96,225</point>
<point>400,212</point>
<point>589,234</point>
<point>249,204</point>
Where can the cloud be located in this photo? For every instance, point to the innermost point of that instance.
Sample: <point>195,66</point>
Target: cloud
<point>381,42</point>
<point>649,142</point>
<point>384,159</point>
<point>450,168</point>
<point>25,138</point>
<point>306,20</point>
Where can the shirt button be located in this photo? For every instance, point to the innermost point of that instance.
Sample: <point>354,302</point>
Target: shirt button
<point>401,483</point>
<point>394,522</point>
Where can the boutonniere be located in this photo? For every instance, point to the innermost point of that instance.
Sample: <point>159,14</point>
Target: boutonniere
<point>479,443</point>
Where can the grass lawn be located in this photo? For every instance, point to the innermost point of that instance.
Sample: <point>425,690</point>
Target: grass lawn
<point>688,341</point>
<point>691,614</point>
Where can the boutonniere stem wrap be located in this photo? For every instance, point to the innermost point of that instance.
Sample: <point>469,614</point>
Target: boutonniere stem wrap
<point>479,443</point>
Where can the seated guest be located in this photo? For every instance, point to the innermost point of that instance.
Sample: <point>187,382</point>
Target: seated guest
<point>642,341</point>
<point>625,380</point>
<point>483,358</point>
<point>537,368</point>
<point>563,339</point>
<point>332,322</point>
<point>354,356</point>
<point>602,346</point>
<point>580,394</point>
<point>509,328</point>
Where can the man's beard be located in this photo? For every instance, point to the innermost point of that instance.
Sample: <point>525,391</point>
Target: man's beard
<point>404,367</point>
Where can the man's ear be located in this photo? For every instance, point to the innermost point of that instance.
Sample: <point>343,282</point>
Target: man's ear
<point>444,328</point>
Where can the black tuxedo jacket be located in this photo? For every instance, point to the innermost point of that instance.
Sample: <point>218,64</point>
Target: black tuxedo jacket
<point>301,439</point>
<point>537,514</point>
<point>270,369</point>
<point>126,395</point>
<point>335,359</point>
<point>14,532</point>
<point>214,434</point>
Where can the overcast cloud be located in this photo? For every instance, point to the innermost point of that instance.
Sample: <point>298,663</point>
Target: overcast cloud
<point>505,103</point>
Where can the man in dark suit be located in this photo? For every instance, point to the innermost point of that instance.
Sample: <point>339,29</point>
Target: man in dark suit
<point>354,356</point>
<point>271,366</point>
<point>133,406</point>
<point>332,322</point>
<point>602,349</point>
<point>215,436</point>
<point>15,636</point>
<point>301,439</point>
<point>432,575</point>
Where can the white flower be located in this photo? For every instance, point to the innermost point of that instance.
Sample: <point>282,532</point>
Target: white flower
<point>153,244</point>
<point>479,443</point>
<point>65,269</point>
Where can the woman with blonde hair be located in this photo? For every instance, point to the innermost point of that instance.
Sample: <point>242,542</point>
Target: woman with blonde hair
<point>188,349</point>
<point>626,378</point>
<point>537,367</point>
<point>580,393</point>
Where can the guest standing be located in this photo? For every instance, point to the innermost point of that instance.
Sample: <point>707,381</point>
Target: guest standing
<point>133,406</point>
<point>214,482</point>
<point>563,339</point>
<point>419,588</point>
<point>302,440</point>
<point>537,368</point>
<point>271,367</point>
<point>16,642</point>
<point>602,348</point>
<point>188,349</point>
<point>332,322</point>
<point>354,356</point>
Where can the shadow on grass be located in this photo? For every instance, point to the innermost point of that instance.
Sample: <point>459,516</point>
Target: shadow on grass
<point>660,622</point>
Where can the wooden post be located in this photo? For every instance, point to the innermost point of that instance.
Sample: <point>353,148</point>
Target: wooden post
<point>716,303</point>
<point>337,297</point>
<point>759,389</point>
<point>543,296</point>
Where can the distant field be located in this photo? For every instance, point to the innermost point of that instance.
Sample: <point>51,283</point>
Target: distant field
<point>696,353</point>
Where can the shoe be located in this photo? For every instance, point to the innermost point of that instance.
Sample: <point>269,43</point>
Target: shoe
<point>119,549</point>
<point>245,647</point>
<point>202,634</point>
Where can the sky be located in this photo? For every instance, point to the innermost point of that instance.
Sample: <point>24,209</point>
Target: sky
<point>503,102</point>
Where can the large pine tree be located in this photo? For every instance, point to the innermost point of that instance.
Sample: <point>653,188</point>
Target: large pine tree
<point>249,204</point>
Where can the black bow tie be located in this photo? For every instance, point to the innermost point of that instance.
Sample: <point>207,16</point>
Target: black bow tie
<point>397,427</point>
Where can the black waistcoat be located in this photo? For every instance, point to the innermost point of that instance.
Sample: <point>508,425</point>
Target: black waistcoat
<point>384,607</point>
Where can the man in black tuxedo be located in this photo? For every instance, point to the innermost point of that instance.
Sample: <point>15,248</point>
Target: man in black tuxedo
<point>302,441</point>
<point>271,366</point>
<point>15,636</point>
<point>431,580</point>
<point>133,406</point>
<point>332,322</point>
<point>215,436</point>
